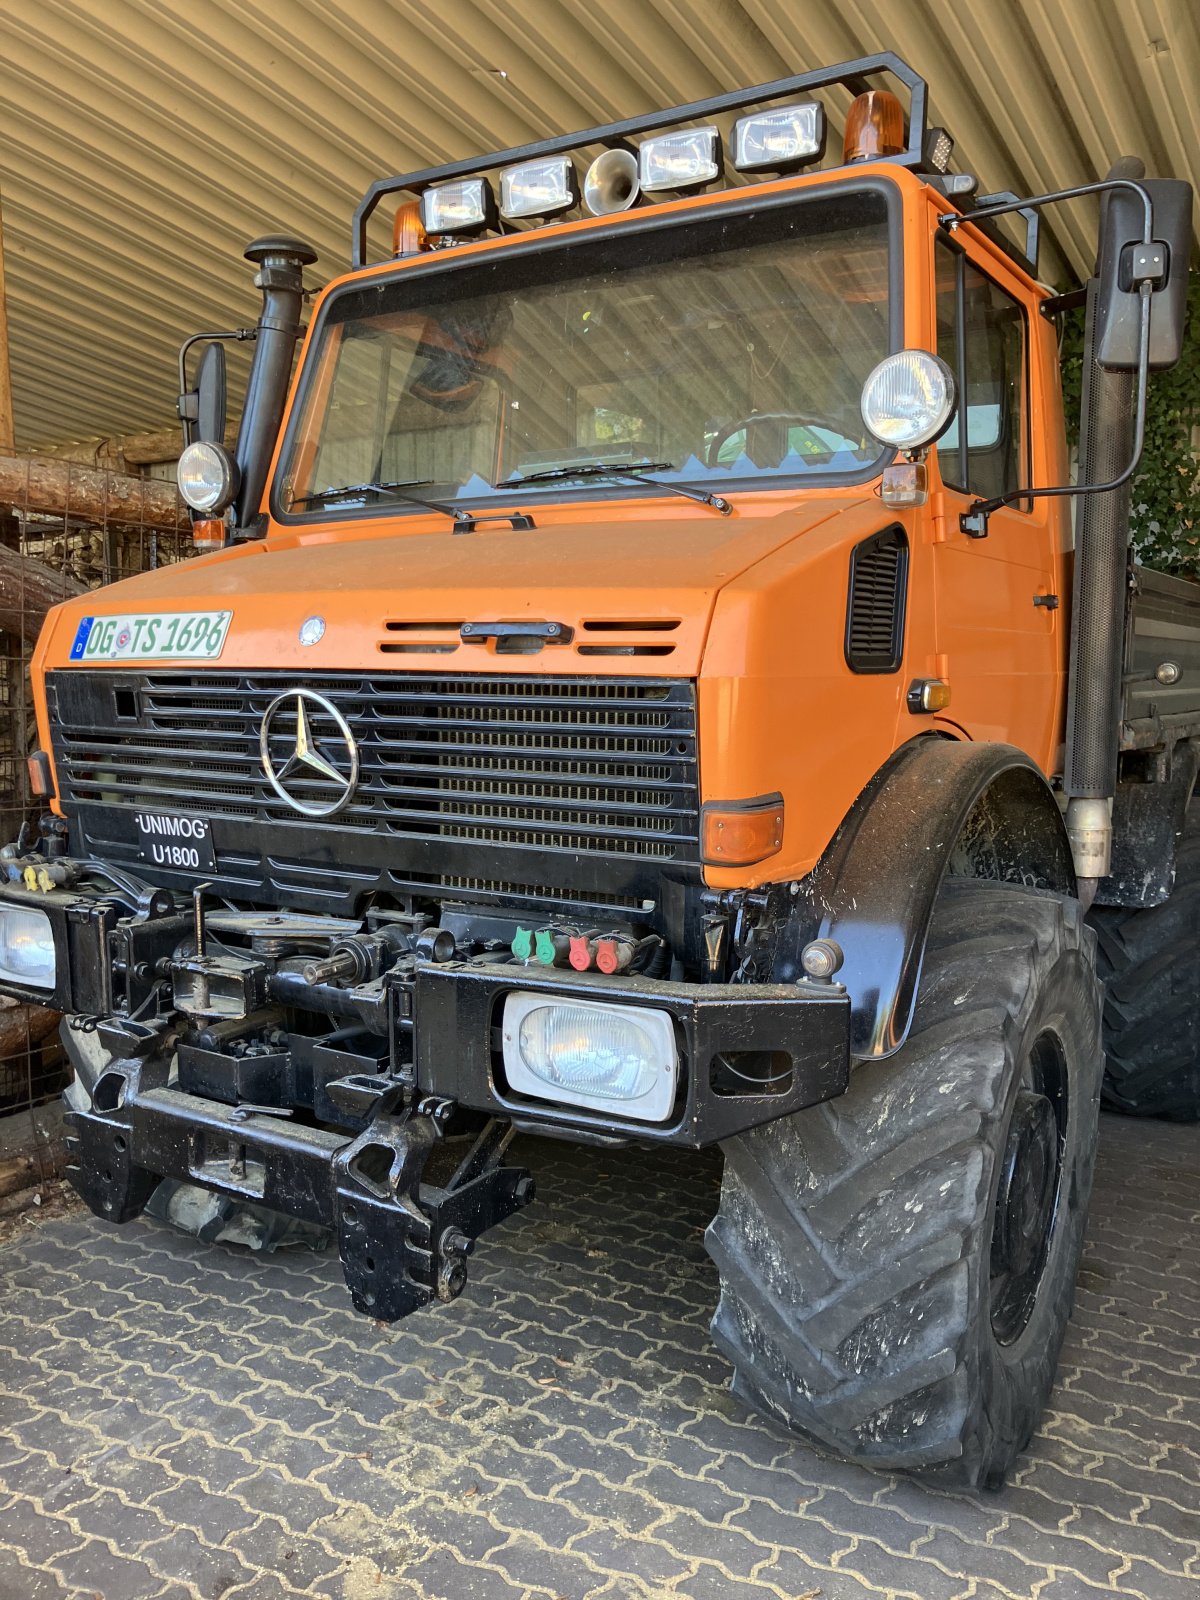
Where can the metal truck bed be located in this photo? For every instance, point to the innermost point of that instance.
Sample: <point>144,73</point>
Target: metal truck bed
<point>1162,629</point>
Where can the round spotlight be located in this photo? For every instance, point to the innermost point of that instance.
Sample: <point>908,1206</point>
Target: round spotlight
<point>611,183</point>
<point>207,476</point>
<point>908,400</point>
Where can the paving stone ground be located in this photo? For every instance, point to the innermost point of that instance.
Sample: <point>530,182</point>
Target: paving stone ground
<point>185,1420</point>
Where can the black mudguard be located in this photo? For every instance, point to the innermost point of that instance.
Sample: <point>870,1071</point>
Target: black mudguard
<point>939,806</point>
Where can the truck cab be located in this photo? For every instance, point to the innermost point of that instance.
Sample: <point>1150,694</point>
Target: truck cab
<point>632,671</point>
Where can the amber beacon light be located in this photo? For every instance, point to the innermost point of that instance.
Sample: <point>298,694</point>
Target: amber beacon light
<point>874,127</point>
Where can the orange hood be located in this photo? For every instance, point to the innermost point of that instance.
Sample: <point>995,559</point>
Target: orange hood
<point>396,599</point>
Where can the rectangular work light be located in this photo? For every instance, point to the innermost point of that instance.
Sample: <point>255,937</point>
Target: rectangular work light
<point>26,947</point>
<point>538,188</point>
<point>682,160</point>
<point>779,140</point>
<point>621,1060</point>
<point>465,206</point>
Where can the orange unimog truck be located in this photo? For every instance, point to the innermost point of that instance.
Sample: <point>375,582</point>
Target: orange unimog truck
<point>644,689</point>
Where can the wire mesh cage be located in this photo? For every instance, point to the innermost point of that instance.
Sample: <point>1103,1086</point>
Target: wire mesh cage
<point>64,528</point>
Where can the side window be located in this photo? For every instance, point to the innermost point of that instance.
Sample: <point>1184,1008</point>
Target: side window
<point>981,335</point>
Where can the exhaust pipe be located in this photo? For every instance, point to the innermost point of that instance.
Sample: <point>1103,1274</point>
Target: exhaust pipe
<point>280,261</point>
<point>1098,601</point>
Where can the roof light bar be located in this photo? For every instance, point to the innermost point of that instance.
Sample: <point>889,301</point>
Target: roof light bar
<point>686,159</point>
<point>779,140</point>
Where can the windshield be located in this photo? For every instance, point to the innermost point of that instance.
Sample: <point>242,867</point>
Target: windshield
<point>726,350</point>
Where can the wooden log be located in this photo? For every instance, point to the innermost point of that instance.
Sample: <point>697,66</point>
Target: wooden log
<point>28,589</point>
<point>24,1027</point>
<point>40,483</point>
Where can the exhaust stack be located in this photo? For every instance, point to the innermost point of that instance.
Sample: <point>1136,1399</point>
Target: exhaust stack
<point>1107,427</point>
<point>280,261</point>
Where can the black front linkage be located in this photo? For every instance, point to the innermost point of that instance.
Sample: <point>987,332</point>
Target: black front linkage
<point>402,1244</point>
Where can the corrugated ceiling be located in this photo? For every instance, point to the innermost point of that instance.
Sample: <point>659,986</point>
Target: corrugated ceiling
<point>144,143</point>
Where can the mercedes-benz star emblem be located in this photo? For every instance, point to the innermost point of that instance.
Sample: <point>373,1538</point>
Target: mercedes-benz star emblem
<point>291,716</point>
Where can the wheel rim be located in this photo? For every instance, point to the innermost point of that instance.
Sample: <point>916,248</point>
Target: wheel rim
<point>1028,1197</point>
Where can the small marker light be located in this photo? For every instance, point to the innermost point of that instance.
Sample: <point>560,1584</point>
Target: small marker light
<point>904,484</point>
<point>209,533</point>
<point>737,833</point>
<point>682,160</point>
<point>779,140</point>
<point>928,694</point>
<point>822,959</point>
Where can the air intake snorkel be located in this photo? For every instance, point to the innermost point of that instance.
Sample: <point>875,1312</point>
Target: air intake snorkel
<point>280,261</point>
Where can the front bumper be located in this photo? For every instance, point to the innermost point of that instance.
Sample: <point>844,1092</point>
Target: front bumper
<point>337,1127</point>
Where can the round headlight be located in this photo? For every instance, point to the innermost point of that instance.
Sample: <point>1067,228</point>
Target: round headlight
<point>908,400</point>
<point>207,476</point>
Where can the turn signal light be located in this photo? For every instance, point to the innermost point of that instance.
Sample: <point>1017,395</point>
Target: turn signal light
<point>928,694</point>
<point>208,533</point>
<point>736,833</point>
<point>874,127</point>
<point>41,781</point>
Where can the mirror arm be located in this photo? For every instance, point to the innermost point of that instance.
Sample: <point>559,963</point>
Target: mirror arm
<point>974,520</point>
<point>186,407</point>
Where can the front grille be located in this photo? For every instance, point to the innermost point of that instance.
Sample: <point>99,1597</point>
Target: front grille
<point>459,776</point>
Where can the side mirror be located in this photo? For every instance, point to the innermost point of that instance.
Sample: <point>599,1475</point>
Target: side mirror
<point>211,395</point>
<point>1118,307</point>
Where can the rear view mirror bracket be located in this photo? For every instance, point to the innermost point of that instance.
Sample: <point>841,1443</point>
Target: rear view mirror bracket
<point>193,410</point>
<point>1133,268</point>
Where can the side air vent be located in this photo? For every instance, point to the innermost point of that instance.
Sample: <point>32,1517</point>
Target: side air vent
<point>875,605</point>
<point>623,638</point>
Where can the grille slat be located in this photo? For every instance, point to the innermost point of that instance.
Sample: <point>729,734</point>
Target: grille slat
<point>603,768</point>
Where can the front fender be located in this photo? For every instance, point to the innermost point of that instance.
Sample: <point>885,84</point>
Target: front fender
<point>939,806</point>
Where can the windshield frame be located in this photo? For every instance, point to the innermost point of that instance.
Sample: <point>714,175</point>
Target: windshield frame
<point>746,201</point>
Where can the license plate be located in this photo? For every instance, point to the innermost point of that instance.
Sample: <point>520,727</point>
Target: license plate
<point>152,636</point>
<point>171,839</point>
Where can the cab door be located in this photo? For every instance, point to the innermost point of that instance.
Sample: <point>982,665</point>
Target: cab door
<point>998,616</point>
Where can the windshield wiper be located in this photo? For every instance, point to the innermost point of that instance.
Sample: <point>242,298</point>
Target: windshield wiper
<point>349,491</point>
<point>635,472</point>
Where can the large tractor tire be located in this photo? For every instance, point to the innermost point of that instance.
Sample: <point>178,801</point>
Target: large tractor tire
<point>898,1265</point>
<point>1150,963</point>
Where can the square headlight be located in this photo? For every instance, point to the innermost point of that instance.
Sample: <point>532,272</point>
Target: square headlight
<point>538,188</point>
<point>26,948</point>
<point>681,160</point>
<point>779,140</point>
<point>619,1059</point>
<point>465,206</point>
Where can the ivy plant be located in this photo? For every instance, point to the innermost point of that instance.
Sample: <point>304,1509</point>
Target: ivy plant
<point>1165,509</point>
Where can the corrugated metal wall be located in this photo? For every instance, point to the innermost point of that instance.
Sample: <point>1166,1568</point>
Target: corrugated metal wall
<point>145,142</point>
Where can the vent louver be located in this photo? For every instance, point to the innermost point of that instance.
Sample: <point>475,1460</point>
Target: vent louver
<point>875,604</point>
